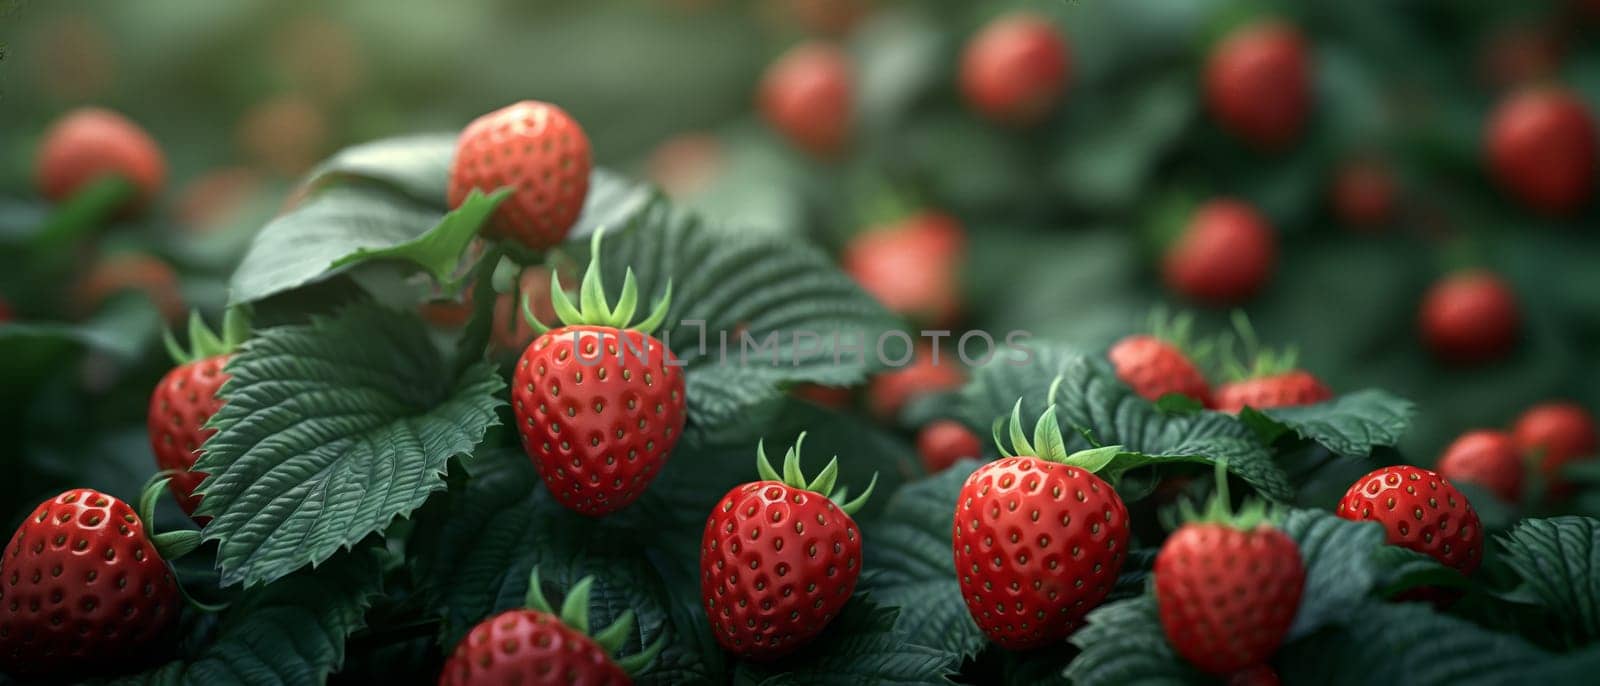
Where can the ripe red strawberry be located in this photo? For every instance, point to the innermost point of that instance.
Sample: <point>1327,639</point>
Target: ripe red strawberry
<point>209,201</point>
<point>1419,510</point>
<point>912,266</point>
<point>1520,54</point>
<point>1228,586</point>
<point>1486,458</point>
<point>1363,195</point>
<point>1556,434</point>
<point>1470,317</point>
<point>889,393</point>
<point>779,558</point>
<point>539,151</point>
<point>1258,84</point>
<point>687,163</point>
<point>1270,380</point>
<point>1038,539</point>
<point>808,95</point>
<point>943,442</point>
<point>129,272</point>
<point>84,585</point>
<point>1014,70</point>
<point>1225,255</point>
<point>535,646</point>
<point>836,397</point>
<point>1154,365</point>
<point>88,144</point>
<point>1541,145</point>
<point>185,400</point>
<point>599,404</point>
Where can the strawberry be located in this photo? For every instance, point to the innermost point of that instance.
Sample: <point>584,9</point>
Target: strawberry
<point>833,17</point>
<point>185,400</point>
<point>1154,365</point>
<point>535,645</point>
<point>912,266</point>
<point>1518,55</point>
<point>779,558</point>
<point>1224,256</point>
<point>215,198</point>
<point>890,392</point>
<point>149,275</point>
<point>941,443</point>
<point>84,584</point>
<point>1556,434</point>
<point>1363,195</point>
<point>687,163</point>
<point>89,144</point>
<point>285,133</point>
<point>1014,70</point>
<point>1038,538</point>
<point>836,397</point>
<point>1486,458</point>
<point>1469,317</point>
<point>542,154</point>
<point>1419,510</point>
<point>1541,147</point>
<point>1228,586</point>
<point>1271,380</point>
<point>808,96</point>
<point>599,404</point>
<point>1258,84</point>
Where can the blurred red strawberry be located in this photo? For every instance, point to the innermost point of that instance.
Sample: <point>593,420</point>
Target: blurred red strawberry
<point>1224,256</point>
<point>1486,458</point>
<point>1157,364</point>
<point>90,143</point>
<point>286,134</point>
<point>889,393</point>
<point>1541,149</point>
<point>686,163</point>
<point>942,442</point>
<point>211,199</point>
<point>1258,84</point>
<point>912,266</point>
<point>1556,434</point>
<point>130,272</point>
<point>836,397</point>
<point>1470,318</point>
<point>1363,195</point>
<point>1520,55</point>
<point>808,96</point>
<point>1014,70</point>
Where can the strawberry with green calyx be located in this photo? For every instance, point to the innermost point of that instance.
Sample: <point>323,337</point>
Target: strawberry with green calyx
<point>1162,362</point>
<point>186,398</point>
<point>779,557</point>
<point>599,403</point>
<point>1038,538</point>
<point>1228,585</point>
<point>542,154</point>
<point>1271,380</point>
<point>84,583</point>
<point>536,645</point>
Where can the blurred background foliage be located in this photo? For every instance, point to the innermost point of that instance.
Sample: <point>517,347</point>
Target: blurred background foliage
<point>1064,220</point>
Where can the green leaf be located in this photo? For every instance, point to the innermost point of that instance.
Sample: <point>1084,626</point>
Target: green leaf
<point>291,632</point>
<point>302,246</point>
<point>859,647</point>
<point>1092,398</point>
<point>1407,643</point>
<point>329,431</point>
<point>1341,572</point>
<point>1123,643</point>
<point>1559,560</point>
<point>438,251</point>
<point>1404,569</point>
<point>417,166</point>
<point>749,292</point>
<point>1350,425</point>
<point>474,551</point>
<point>910,565</point>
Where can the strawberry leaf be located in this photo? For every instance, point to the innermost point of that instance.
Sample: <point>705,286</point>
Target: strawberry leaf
<point>438,252</point>
<point>1558,559</point>
<point>1092,399</point>
<point>417,166</point>
<point>860,646</point>
<point>1341,570</point>
<point>911,567</point>
<point>1123,643</point>
<point>291,632</point>
<point>1350,425</point>
<point>1407,643</point>
<point>329,431</point>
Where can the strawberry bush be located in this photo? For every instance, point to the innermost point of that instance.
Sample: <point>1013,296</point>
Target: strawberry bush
<point>811,342</point>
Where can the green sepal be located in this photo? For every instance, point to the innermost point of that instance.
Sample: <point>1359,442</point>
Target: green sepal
<point>171,545</point>
<point>592,308</point>
<point>1258,361</point>
<point>1219,508</point>
<point>1048,443</point>
<point>1177,330</point>
<point>575,613</point>
<point>176,544</point>
<point>794,476</point>
<point>203,342</point>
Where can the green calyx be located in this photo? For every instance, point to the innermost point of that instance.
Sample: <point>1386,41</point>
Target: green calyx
<point>1048,443</point>
<point>794,477</point>
<point>1178,330</point>
<point>1258,361</point>
<point>170,545</point>
<point>204,343</point>
<point>592,308</point>
<point>1219,509</point>
<point>575,613</point>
